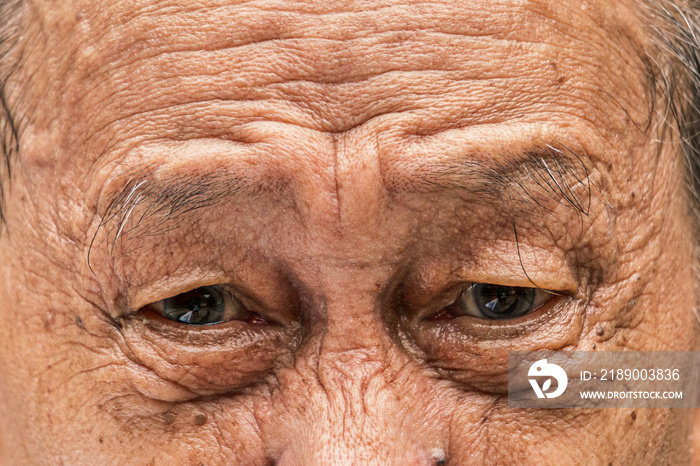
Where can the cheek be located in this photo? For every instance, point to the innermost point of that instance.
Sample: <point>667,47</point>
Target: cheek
<point>217,431</point>
<point>608,436</point>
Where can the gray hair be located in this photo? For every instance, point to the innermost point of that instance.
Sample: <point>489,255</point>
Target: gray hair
<point>10,57</point>
<point>674,26</point>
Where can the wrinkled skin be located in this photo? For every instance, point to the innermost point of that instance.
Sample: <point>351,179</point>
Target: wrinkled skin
<point>322,122</point>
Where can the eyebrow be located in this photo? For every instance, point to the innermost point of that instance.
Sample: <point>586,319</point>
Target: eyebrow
<point>162,199</point>
<point>533,177</point>
<point>528,182</point>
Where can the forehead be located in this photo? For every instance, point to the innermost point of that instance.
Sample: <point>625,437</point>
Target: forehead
<point>144,69</point>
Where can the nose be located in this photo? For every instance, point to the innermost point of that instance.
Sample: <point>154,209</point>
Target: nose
<point>354,416</point>
<point>356,397</point>
<point>332,455</point>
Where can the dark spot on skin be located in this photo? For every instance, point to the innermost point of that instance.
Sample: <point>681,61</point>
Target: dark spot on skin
<point>48,320</point>
<point>633,194</point>
<point>553,65</point>
<point>200,419</point>
<point>633,416</point>
<point>561,80</point>
<point>440,463</point>
<point>101,440</point>
<point>79,322</point>
<point>632,303</point>
<point>593,345</point>
<point>168,418</point>
<point>599,331</point>
<point>610,464</point>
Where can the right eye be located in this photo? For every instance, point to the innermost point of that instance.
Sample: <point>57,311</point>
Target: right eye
<point>207,305</point>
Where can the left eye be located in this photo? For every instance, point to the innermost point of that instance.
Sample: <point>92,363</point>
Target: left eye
<point>495,302</point>
<point>207,305</point>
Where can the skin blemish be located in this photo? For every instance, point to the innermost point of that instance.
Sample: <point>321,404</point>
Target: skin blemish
<point>48,320</point>
<point>79,322</point>
<point>200,419</point>
<point>605,331</point>
<point>633,416</point>
<point>168,418</point>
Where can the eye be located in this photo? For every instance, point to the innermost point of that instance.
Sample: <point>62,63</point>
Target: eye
<point>207,305</point>
<point>495,302</point>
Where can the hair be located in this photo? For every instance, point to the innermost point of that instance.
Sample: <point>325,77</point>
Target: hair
<point>10,58</point>
<point>674,28</point>
<point>673,67</point>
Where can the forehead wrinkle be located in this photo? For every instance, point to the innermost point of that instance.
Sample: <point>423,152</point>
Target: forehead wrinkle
<point>400,31</point>
<point>339,107</point>
<point>133,85</point>
<point>255,25</point>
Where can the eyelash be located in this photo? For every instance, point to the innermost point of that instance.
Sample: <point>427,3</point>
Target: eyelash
<point>196,306</point>
<point>217,304</point>
<point>514,302</point>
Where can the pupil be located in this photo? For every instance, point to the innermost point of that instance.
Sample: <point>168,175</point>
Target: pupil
<point>503,302</point>
<point>202,306</point>
<point>195,304</point>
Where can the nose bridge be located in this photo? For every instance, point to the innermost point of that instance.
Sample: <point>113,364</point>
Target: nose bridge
<point>357,410</point>
<point>356,354</point>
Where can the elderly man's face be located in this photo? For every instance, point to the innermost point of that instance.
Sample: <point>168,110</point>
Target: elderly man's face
<point>360,198</point>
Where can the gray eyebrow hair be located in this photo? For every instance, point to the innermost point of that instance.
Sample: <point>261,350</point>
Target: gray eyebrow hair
<point>528,182</point>
<point>164,198</point>
<point>534,177</point>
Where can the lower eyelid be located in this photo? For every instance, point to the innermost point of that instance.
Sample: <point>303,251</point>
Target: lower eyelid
<point>208,359</point>
<point>468,349</point>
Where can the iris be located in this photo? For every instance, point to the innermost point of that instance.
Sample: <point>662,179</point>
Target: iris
<point>503,302</point>
<point>201,306</point>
